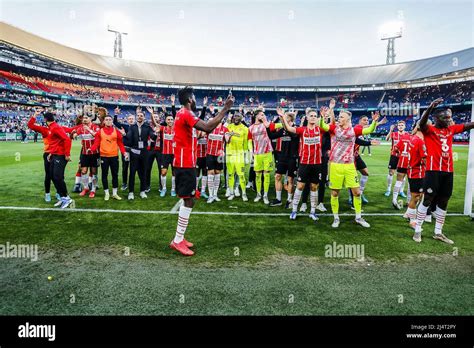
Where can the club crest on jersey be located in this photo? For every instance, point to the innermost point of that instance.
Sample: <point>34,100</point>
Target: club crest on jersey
<point>429,190</point>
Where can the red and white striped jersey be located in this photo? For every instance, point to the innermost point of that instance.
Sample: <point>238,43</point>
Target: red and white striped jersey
<point>215,141</point>
<point>342,143</point>
<point>167,134</point>
<point>184,142</point>
<point>439,145</point>
<point>202,146</point>
<point>395,137</point>
<point>261,142</point>
<point>417,158</point>
<point>87,136</point>
<point>310,144</point>
<point>402,149</point>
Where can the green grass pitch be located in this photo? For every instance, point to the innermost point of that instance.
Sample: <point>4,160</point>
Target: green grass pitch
<point>262,264</point>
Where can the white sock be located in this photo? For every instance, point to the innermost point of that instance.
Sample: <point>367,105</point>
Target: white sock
<point>85,180</point>
<point>408,194</point>
<point>183,220</point>
<point>278,195</point>
<point>389,182</point>
<point>90,179</point>
<point>197,183</point>
<point>313,198</point>
<point>217,182</point>
<point>94,183</point>
<point>203,183</point>
<point>296,200</point>
<point>163,182</point>
<point>114,191</point>
<point>403,184</point>
<point>210,182</point>
<point>396,190</point>
<point>420,217</point>
<point>106,191</point>
<point>411,212</point>
<point>440,215</point>
<point>290,197</point>
<point>363,182</point>
<point>78,179</point>
<point>173,183</point>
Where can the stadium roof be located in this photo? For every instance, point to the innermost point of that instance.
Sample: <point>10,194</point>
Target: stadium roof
<point>164,73</point>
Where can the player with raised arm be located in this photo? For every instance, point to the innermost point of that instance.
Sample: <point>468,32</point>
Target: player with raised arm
<point>236,150</point>
<point>401,150</point>
<point>262,153</point>
<point>416,175</point>
<point>215,160</point>
<point>310,159</point>
<point>394,157</point>
<point>185,126</point>
<point>342,170</point>
<point>89,159</point>
<point>438,183</point>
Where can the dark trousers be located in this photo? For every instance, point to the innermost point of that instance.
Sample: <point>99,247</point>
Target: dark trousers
<point>366,147</point>
<point>152,157</point>
<point>125,166</point>
<point>323,181</point>
<point>113,164</point>
<point>138,163</point>
<point>58,166</point>
<point>47,173</point>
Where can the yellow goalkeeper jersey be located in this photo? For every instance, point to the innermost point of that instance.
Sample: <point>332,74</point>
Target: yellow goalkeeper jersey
<point>239,141</point>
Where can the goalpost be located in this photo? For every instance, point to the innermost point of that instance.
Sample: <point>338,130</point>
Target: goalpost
<point>470,168</point>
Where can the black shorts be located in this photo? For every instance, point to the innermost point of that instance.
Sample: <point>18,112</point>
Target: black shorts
<point>402,170</point>
<point>309,173</point>
<point>201,165</point>
<point>214,162</point>
<point>360,164</point>
<point>287,166</point>
<point>438,183</point>
<point>416,184</point>
<point>89,160</point>
<point>393,164</point>
<point>166,161</point>
<point>185,182</point>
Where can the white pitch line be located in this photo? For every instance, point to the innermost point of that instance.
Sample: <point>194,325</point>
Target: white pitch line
<point>167,212</point>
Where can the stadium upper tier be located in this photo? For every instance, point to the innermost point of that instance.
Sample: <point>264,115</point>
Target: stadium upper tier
<point>39,50</point>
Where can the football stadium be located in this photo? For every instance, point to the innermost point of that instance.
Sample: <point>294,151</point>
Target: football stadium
<point>234,190</point>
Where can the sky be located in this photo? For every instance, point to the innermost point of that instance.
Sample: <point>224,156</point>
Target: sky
<point>263,34</point>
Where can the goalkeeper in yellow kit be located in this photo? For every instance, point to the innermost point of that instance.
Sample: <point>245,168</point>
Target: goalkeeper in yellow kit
<point>236,148</point>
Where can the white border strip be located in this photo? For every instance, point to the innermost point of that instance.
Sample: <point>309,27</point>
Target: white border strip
<point>167,212</point>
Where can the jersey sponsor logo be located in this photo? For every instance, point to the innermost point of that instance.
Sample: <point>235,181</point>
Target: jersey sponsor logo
<point>287,138</point>
<point>311,140</point>
<point>218,137</point>
<point>168,136</point>
<point>202,141</point>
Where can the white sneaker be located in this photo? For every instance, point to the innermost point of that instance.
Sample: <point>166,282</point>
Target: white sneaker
<point>265,200</point>
<point>231,197</point>
<point>417,237</point>
<point>303,207</point>
<point>443,238</point>
<point>336,223</point>
<point>143,195</point>
<point>244,197</point>
<point>210,199</point>
<point>428,218</point>
<point>228,192</point>
<point>321,207</point>
<point>131,196</point>
<point>217,199</point>
<point>405,215</point>
<point>249,184</point>
<point>237,192</point>
<point>106,196</point>
<point>258,198</point>
<point>362,222</point>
